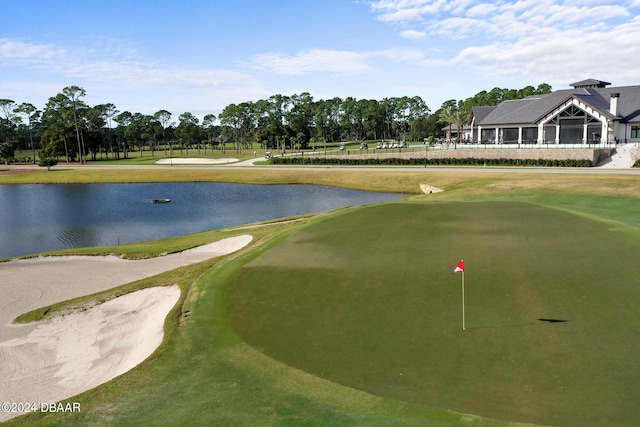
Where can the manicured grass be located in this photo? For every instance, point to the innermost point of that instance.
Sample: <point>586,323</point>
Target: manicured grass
<point>380,311</point>
<point>205,374</point>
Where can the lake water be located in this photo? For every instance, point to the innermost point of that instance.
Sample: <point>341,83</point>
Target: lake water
<point>44,217</point>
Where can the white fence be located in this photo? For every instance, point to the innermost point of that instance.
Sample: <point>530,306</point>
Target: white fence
<point>332,151</point>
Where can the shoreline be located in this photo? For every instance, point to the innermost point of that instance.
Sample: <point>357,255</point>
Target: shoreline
<point>57,358</point>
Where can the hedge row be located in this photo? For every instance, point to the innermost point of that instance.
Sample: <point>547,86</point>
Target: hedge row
<point>19,159</point>
<point>469,161</point>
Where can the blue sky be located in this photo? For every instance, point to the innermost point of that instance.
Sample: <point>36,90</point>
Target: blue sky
<point>200,56</point>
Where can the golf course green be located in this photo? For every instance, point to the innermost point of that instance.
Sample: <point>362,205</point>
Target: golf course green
<point>367,298</point>
<point>354,317</point>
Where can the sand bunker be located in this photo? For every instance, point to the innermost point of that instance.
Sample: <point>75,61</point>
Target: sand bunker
<point>67,355</point>
<point>55,359</point>
<point>428,189</point>
<point>195,161</point>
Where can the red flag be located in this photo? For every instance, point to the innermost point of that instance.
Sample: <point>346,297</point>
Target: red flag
<point>459,267</point>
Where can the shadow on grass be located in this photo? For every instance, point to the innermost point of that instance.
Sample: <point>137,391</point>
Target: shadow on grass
<point>539,322</point>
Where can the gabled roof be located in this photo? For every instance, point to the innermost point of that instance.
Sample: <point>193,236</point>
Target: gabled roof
<point>479,113</point>
<point>628,100</point>
<point>532,109</point>
<point>524,111</point>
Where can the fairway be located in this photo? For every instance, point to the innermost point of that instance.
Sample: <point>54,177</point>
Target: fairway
<point>368,299</point>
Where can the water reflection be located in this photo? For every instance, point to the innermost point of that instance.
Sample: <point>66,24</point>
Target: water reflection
<point>36,218</point>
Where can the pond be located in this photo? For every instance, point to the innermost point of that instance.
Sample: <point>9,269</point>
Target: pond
<point>43,217</point>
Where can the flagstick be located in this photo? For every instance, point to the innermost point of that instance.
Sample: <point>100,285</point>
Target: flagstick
<point>463,326</point>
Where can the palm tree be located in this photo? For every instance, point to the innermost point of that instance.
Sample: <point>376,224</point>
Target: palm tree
<point>454,116</point>
<point>460,119</point>
<point>447,115</point>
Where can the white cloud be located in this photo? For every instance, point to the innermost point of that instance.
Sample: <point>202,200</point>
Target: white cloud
<point>347,63</point>
<point>403,11</point>
<point>484,9</point>
<point>508,14</point>
<point>22,53</point>
<point>458,27</point>
<point>406,10</point>
<point>123,66</point>
<point>120,75</point>
<point>413,34</point>
<point>563,54</point>
<point>561,38</point>
<point>398,54</point>
<point>313,61</point>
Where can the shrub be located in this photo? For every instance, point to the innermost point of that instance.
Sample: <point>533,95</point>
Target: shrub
<point>393,161</point>
<point>48,162</point>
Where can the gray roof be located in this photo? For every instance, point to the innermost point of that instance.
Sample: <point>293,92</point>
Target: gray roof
<point>454,127</point>
<point>590,83</point>
<point>481,112</point>
<point>532,109</point>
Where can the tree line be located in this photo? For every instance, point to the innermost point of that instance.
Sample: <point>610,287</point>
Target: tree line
<point>67,127</point>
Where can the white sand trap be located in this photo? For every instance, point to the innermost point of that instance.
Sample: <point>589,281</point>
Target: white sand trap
<point>67,355</point>
<point>38,361</point>
<point>195,161</point>
<point>428,189</point>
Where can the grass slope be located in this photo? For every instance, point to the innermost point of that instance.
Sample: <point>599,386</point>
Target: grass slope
<point>205,374</point>
<point>379,311</point>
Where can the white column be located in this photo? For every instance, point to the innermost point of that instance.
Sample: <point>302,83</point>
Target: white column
<point>479,134</point>
<point>558,134</point>
<point>540,133</point>
<point>585,135</point>
<point>605,132</point>
<point>519,135</point>
<point>497,135</point>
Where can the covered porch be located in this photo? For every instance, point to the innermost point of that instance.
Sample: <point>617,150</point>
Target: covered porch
<point>572,122</point>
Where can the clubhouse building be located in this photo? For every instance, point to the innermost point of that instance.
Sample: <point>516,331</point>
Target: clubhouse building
<point>589,113</point>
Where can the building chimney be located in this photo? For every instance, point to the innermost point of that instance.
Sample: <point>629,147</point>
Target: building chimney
<point>613,108</point>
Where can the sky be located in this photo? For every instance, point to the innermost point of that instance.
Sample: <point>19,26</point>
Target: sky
<point>200,56</point>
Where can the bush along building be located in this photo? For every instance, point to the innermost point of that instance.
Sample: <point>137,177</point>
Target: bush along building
<point>589,113</point>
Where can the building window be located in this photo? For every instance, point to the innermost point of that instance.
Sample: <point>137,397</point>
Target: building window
<point>635,131</point>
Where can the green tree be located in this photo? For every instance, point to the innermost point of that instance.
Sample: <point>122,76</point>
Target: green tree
<point>57,119</point>
<point>453,115</point>
<point>74,93</point>
<point>372,118</point>
<point>6,151</point>
<point>543,88</point>
<point>48,162</point>
<point>7,124</point>
<point>188,131</point>
<point>208,124</point>
<point>95,135</point>
<point>231,119</point>
<point>327,119</point>
<point>300,118</point>
<point>164,118</point>
<point>135,132</point>
<point>108,114</point>
<point>31,113</point>
<point>124,120</point>
<point>53,143</point>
